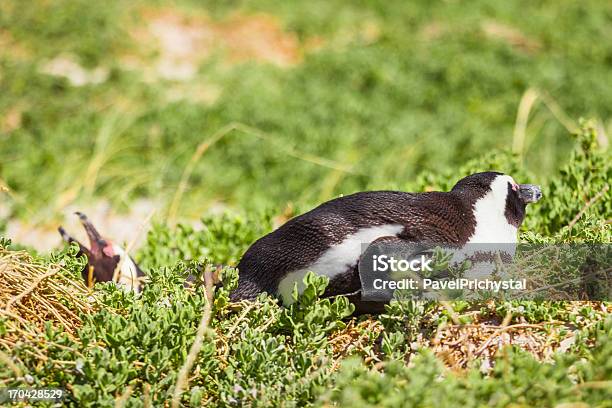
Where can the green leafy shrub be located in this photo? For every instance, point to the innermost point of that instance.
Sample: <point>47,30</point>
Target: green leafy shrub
<point>222,239</point>
<point>584,177</point>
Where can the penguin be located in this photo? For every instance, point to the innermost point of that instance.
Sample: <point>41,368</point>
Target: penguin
<point>106,261</point>
<point>487,207</point>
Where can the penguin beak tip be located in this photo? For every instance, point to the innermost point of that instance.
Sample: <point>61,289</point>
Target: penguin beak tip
<point>530,193</point>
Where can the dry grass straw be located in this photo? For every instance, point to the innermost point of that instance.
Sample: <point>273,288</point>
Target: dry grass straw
<point>457,345</point>
<point>355,339</point>
<point>129,248</point>
<point>122,399</point>
<point>107,144</point>
<point>257,134</point>
<point>526,105</point>
<point>32,294</point>
<point>182,381</point>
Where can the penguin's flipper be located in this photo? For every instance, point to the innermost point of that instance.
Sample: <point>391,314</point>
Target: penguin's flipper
<point>363,307</point>
<point>349,286</point>
<point>376,267</point>
<point>408,249</point>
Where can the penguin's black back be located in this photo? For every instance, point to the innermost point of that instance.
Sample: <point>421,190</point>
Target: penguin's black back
<point>431,217</point>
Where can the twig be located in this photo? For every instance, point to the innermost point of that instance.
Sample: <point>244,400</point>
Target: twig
<point>182,380</point>
<point>247,309</point>
<point>588,205</point>
<point>605,385</point>
<point>146,389</point>
<point>30,289</point>
<point>504,329</point>
<point>120,402</point>
<point>507,319</point>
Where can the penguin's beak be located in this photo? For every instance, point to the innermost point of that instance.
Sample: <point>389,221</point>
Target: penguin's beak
<point>529,193</point>
<point>96,242</point>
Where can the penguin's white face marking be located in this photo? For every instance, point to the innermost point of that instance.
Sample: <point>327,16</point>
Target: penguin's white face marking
<point>125,271</point>
<point>336,259</point>
<point>492,226</point>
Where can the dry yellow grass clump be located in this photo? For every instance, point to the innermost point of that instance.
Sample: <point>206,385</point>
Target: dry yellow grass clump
<point>458,344</point>
<point>33,293</point>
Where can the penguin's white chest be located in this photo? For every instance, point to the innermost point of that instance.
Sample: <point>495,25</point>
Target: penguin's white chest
<point>492,226</point>
<point>337,259</point>
<point>125,273</point>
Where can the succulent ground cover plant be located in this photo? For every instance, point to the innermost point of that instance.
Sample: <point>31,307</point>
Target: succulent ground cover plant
<point>261,111</point>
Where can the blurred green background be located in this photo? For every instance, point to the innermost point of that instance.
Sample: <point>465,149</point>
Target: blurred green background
<point>197,106</point>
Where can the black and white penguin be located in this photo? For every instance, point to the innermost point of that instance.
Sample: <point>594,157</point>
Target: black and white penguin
<point>106,261</point>
<point>484,207</point>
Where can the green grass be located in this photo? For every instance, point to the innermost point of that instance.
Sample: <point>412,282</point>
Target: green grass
<point>424,94</point>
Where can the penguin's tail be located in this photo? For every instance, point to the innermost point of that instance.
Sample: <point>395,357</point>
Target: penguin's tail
<point>246,290</point>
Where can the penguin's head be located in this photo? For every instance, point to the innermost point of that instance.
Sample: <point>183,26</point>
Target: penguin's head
<point>106,261</point>
<point>498,193</point>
